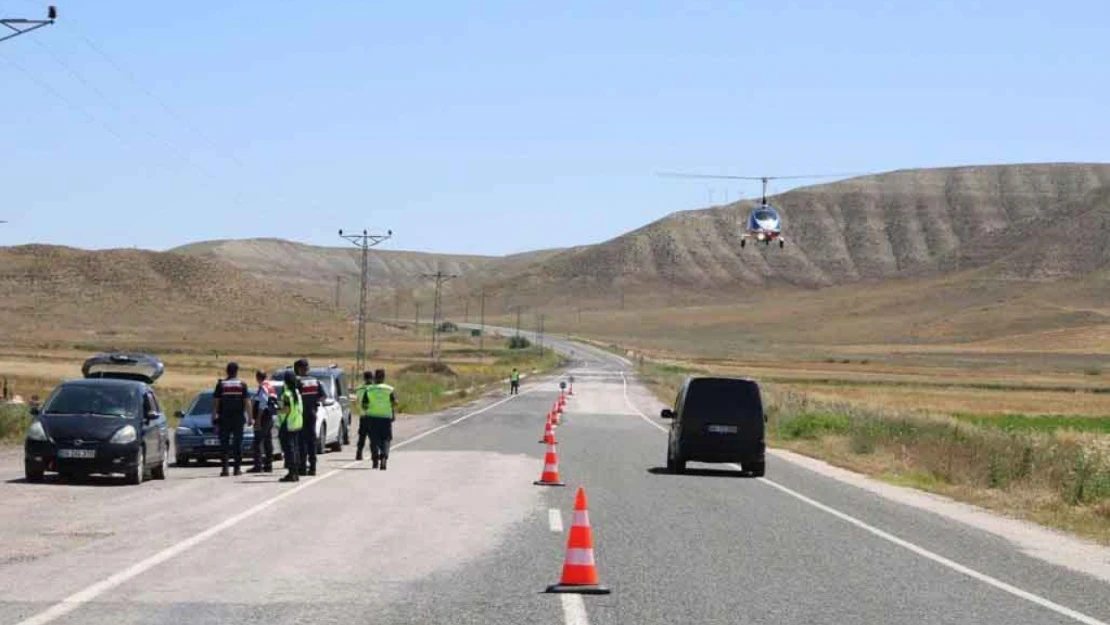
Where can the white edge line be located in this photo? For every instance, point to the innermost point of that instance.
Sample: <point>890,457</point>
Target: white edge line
<point>77,599</point>
<point>555,520</point>
<point>921,551</point>
<point>574,609</point>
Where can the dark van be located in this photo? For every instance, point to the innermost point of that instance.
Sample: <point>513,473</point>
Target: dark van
<point>717,420</point>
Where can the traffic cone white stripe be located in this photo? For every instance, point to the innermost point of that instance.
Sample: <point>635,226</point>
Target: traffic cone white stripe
<point>580,557</point>
<point>581,518</point>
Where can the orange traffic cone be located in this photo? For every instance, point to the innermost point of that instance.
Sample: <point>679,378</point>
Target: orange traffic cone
<point>579,569</point>
<point>549,433</point>
<point>550,475</point>
<point>555,417</point>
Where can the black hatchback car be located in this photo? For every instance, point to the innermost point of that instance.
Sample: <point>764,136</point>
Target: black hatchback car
<point>109,422</point>
<point>717,420</point>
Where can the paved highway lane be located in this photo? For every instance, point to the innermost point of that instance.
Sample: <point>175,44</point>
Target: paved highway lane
<point>456,532</point>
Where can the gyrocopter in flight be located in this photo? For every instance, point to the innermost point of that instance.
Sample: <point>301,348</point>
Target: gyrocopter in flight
<point>764,223</point>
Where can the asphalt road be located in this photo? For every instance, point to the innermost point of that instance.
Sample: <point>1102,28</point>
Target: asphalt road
<point>455,532</point>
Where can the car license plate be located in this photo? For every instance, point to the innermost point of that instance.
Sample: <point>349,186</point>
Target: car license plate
<point>722,429</point>
<point>211,442</point>
<point>76,453</point>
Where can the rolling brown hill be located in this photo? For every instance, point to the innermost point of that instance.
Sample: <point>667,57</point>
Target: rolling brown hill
<point>913,223</point>
<point>57,296</point>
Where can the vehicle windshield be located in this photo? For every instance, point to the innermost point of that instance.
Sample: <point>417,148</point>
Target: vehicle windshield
<point>115,401</point>
<point>202,405</point>
<point>764,214</point>
<point>725,401</point>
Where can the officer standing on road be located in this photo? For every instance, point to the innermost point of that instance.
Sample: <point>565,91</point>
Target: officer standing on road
<point>290,424</point>
<point>230,413</point>
<point>312,393</point>
<point>362,409</point>
<point>265,405</point>
<point>378,403</point>
<point>514,382</point>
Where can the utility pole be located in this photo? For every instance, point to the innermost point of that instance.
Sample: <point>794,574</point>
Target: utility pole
<point>541,335</point>
<point>466,310</point>
<point>416,323</point>
<point>437,311</point>
<point>482,324</point>
<point>338,279</point>
<point>396,305</point>
<point>24,26</point>
<point>364,241</point>
<point>518,309</point>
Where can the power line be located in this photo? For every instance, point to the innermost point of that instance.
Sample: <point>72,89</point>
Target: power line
<point>365,241</point>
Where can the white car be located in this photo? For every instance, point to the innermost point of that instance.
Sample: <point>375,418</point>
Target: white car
<point>333,415</point>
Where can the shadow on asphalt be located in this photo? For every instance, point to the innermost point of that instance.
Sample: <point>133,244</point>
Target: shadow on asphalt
<point>700,472</point>
<point>57,480</point>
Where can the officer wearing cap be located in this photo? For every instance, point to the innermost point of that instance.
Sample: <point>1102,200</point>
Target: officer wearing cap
<point>230,413</point>
<point>312,394</point>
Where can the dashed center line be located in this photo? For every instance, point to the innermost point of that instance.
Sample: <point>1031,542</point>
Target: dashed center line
<point>555,520</point>
<point>574,609</point>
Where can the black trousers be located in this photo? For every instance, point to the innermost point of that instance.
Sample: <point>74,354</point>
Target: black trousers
<point>231,440</point>
<point>263,447</point>
<point>290,448</point>
<point>514,388</point>
<point>380,433</point>
<point>308,445</point>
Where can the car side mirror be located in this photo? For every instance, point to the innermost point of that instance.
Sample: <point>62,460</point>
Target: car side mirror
<point>667,413</point>
<point>151,416</point>
<point>328,401</point>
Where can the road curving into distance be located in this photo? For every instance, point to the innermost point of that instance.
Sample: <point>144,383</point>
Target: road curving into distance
<point>456,532</point>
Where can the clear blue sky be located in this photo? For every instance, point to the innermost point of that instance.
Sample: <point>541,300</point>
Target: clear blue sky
<point>495,127</point>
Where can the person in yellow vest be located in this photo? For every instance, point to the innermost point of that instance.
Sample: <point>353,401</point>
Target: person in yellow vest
<point>362,410</point>
<point>290,423</point>
<point>514,382</point>
<point>377,404</point>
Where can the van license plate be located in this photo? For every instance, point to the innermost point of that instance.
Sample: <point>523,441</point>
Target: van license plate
<point>211,442</point>
<point>76,453</point>
<point>722,429</point>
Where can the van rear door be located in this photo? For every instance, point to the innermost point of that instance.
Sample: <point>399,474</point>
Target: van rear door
<point>723,407</point>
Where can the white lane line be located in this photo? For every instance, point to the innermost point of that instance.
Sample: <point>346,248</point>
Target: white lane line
<point>905,544</point>
<point>555,520</point>
<point>574,609</point>
<point>81,597</point>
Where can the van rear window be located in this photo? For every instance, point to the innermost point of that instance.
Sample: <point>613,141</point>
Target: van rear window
<point>722,400</point>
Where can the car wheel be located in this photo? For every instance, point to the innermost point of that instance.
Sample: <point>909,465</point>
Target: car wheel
<point>338,444</point>
<point>159,472</point>
<point>182,461</point>
<point>679,466</point>
<point>320,439</point>
<point>347,431</point>
<point>33,474</point>
<point>135,476</point>
<point>756,469</point>
<point>670,461</point>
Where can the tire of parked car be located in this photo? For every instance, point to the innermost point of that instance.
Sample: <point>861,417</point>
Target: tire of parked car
<point>135,476</point>
<point>159,472</point>
<point>33,475</point>
<point>755,469</point>
<point>321,438</point>
<point>338,444</point>
<point>182,461</point>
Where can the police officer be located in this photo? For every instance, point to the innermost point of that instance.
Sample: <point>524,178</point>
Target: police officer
<point>362,409</point>
<point>290,425</point>
<point>230,412</point>
<point>312,393</point>
<point>265,407</point>
<point>514,382</point>
<point>378,415</point>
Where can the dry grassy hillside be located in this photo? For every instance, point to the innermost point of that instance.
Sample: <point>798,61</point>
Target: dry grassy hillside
<point>132,298</point>
<point>313,269</point>
<point>894,225</point>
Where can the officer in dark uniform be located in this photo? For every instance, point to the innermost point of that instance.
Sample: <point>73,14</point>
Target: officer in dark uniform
<point>312,394</point>
<point>230,413</point>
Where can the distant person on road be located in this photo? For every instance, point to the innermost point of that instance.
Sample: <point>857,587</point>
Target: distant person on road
<point>266,405</point>
<point>290,425</point>
<point>312,393</point>
<point>377,403</point>
<point>230,413</point>
<point>514,382</point>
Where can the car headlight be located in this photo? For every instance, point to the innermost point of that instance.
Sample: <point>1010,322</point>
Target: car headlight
<point>184,431</point>
<point>37,433</point>
<point>125,434</point>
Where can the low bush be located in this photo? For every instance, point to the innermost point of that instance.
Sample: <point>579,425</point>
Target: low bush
<point>14,419</point>
<point>519,342</point>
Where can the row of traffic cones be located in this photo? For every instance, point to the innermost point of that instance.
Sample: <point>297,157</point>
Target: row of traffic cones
<point>579,568</point>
